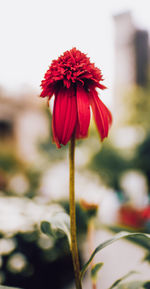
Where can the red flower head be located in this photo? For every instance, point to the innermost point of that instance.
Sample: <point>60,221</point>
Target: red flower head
<point>73,79</point>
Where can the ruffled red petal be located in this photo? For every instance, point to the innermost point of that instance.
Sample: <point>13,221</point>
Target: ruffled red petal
<point>83,109</point>
<point>64,115</point>
<point>102,115</point>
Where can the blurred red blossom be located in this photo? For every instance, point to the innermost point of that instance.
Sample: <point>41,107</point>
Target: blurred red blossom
<point>73,80</point>
<point>131,217</point>
<point>146,213</point>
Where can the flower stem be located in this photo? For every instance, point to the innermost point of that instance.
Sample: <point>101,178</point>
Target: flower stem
<point>74,248</point>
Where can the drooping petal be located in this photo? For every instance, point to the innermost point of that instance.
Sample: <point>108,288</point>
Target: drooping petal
<point>83,109</point>
<point>55,138</point>
<point>64,115</point>
<point>102,115</point>
<point>99,85</point>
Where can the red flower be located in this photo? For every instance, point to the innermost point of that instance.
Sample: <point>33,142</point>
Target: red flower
<point>73,80</point>
<point>146,213</point>
<point>131,217</point>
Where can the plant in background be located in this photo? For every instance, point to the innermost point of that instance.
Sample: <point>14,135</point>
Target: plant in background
<point>73,80</point>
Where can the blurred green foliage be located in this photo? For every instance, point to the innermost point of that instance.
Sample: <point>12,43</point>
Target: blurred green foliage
<point>142,157</point>
<point>110,164</point>
<point>10,165</point>
<point>9,162</point>
<point>137,102</point>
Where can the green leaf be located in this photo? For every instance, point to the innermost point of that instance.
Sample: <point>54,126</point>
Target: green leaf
<point>95,270</point>
<point>57,225</point>
<point>117,282</point>
<point>131,285</point>
<point>109,242</point>
<point>147,257</point>
<point>142,242</point>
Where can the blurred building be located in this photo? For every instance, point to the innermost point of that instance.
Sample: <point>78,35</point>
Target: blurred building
<point>23,123</point>
<point>131,61</point>
<point>141,57</point>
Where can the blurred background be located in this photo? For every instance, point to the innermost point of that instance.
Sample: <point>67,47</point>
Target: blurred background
<point>113,178</point>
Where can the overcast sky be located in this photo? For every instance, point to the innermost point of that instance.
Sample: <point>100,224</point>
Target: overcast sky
<point>36,31</point>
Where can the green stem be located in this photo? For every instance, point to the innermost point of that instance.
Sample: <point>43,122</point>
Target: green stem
<point>74,248</point>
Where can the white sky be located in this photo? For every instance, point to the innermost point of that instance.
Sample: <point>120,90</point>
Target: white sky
<point>33,32</point>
